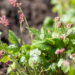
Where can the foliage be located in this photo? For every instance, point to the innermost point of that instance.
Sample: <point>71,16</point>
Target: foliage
<point>48,52</point>
<point>66,12</point>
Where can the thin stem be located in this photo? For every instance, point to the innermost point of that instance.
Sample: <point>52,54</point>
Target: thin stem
<point>26,23</point>
<point>22,33</point>
<point>24,17</point>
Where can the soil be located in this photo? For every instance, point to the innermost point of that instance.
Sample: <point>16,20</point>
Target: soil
<point>35,12</point>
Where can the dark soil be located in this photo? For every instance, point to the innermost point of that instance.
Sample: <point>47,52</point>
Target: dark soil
<point>35,12</point>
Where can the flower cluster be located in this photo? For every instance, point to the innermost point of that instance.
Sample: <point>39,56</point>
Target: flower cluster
<point>60,51</point>
<point>57,18</point>
<point>21,18</point>
<point>4,21</point>
<point>59,24</point>
<point>73,54</point>
<point>14,3</point>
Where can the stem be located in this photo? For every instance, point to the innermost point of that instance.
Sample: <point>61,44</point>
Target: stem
<point>26,22</point>
<point>21,33</point>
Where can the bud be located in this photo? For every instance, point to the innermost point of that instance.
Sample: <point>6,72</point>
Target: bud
<point>2,52</point>
<point>21,18</point>
<point>57,52</point>
<point>4,21</point>
<point>13,2</point>
<point>71,25</point>
<point>57,18</point>
<point>16,57</point>
<point>49,31</point>
<point>62,37</point>
<point>59,24</point>
<point>34,63</point>
<point>62,50</point>
<point>73,54</point>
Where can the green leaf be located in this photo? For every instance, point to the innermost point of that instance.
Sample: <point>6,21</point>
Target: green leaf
<point>13,47</point>
<point>11,67</point>
<point>5,59</point>
<point>23,60</point>
<point>72,71</point>
<point>59,43</point>
<point>3,46</point>
<point>40,45</point>
<point>48,41</point>
<point>38,60</point>
<point>35,52</point>
<point>35,32</point>
<point>65,68</point>
<point>71,33</point>
<point>13,38</point>
<point>42,35</point>
<point>48,22</point>
<point>60,62</point>
<point>12,73</point>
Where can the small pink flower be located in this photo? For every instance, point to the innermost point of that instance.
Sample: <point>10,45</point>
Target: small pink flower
<point>21,18</point>
<point>71,25</point>
<point>57,18</point>
<point>59,24</point>
<point>62,37</point>
<point>4,21</point>
<point>62,50</point>
<point>73,54</point>
<point>66,63</point>
<point>57,52</point>
<point>13,2</point>
<point>34,63</point>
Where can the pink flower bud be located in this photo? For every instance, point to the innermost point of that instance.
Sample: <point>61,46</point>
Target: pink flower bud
<point>21,18</point>
<point>34,63</point>
<point>13,2</point>
<point>4,21</point>
<point>59,24</point>
<point>57,52</point>
<point>1,52</point>
<point>73,54</point>
<point>57,18</point>
<point>49,31</point>
<point>62,50</point>
<point>62,37</point>
<point>71,25</point>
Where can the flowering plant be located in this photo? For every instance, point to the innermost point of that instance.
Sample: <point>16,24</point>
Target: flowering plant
<point>66,12</point>
<point>50,52</point>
